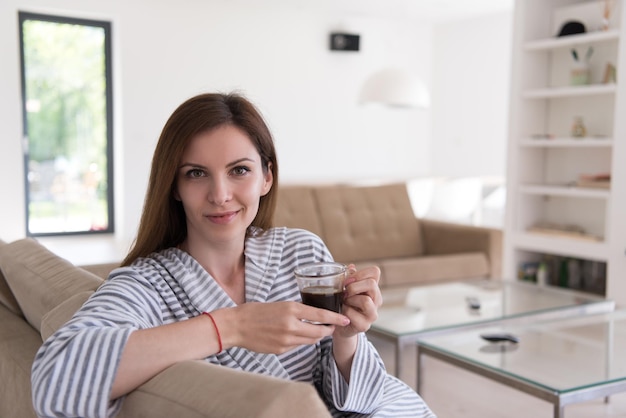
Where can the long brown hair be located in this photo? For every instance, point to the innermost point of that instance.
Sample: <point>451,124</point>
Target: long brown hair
<point>163,222</point>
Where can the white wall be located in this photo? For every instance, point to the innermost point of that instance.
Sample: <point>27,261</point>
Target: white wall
<point>165,52</point>
<point>470,86</point>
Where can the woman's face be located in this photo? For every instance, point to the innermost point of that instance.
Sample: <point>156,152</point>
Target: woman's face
<point>220,181</point>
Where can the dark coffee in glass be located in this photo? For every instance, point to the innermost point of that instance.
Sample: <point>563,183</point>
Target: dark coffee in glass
<point>321,284</point>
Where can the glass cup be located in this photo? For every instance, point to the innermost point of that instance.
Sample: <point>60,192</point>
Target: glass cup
<point>321,284</point>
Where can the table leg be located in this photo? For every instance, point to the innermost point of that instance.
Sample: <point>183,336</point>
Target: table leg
<point>418,372</point>
<point>559,411</point>
<point>398,359</point>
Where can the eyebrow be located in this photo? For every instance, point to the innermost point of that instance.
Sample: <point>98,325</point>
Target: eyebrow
<point>231,164</point>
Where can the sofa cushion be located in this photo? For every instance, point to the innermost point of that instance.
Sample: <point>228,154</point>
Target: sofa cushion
<point>365,223</point>
<point>19,343</point>
<point>428,269</point>
<point>41,280</point>
<point>59,315</point>
<point>296,208</point>
<point>101,270</point>
<point>6,296</point>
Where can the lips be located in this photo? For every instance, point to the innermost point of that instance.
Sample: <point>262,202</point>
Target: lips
<point>222,218</point>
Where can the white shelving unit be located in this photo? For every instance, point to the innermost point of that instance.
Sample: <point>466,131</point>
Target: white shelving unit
<point>545,161</point>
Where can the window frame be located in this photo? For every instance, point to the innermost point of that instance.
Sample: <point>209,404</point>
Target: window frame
<point>108,74</point>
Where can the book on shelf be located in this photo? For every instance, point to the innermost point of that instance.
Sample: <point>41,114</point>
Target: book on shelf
<point>563,231</point>
<point>601,181</point>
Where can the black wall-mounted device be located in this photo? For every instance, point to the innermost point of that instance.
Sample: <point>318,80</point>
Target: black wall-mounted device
<point>344,42</point>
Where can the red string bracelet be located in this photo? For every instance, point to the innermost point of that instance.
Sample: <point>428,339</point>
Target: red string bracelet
<point>217,331</point>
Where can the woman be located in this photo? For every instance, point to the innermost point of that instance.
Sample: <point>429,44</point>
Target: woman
<point>208,269</point>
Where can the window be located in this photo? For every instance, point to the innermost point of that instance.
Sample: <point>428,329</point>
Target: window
<point>68,124</point>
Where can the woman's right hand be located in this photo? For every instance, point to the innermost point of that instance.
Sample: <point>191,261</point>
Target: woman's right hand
<point>275,327</point>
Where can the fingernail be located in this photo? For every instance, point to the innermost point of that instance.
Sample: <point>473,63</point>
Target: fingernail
<point>346,321</point>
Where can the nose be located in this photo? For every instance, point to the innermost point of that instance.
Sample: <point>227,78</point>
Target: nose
<point>219,192</point>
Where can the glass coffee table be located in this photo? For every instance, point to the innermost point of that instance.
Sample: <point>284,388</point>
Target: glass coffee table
<point>411,313</point>
<point>562,361</point>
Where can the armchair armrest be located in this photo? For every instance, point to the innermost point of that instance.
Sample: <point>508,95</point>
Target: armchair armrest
<point>449,238</point>
<point>197,389</point>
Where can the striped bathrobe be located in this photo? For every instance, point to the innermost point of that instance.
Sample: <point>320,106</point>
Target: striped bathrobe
<point>74,370</point>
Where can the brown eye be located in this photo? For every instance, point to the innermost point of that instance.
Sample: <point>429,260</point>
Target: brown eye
<point>194,173</point>
<point>240,170</point>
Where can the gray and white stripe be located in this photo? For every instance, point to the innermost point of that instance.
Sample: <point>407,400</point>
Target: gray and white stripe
<point>74,369</point>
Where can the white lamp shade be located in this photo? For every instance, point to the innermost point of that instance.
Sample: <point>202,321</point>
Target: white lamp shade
<point>395,87</point>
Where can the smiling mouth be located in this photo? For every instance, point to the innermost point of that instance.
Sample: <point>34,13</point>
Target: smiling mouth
<point>222,218</point>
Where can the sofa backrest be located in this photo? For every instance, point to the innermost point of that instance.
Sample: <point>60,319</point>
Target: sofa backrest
<point>41,280</point>
<point>6,296</point>
<point>296,208</point>
<point>357,223</point>
<point>369,222</point>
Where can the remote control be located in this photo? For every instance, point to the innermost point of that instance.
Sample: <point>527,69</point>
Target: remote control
<point>497,337</point>
<point>473,302</point>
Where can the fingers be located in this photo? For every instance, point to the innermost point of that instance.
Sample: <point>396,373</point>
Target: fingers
<point>364,282</point>
<point>309,326</point>
<point>362,318</point>
<point>370,272</point>
<point>278,327</point>
<point>364,287</point>
<point>362,297</point>
<point>303,333</point>
<point>362,304</point>
<point>322,316</point>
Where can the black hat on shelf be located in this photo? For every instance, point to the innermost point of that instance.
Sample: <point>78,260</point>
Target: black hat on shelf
<point>572,27</point>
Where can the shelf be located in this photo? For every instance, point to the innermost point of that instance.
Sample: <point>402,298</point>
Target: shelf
<point>566,194</point>
<point>565,191</point>
<point>587,142</point>
<point>572,40</point>
<point>570,91</point>
<point>547,244</point>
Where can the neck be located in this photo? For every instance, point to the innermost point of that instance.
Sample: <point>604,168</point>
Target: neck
<point>225,264</point>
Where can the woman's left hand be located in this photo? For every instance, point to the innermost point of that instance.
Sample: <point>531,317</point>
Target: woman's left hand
<point>362,298</point>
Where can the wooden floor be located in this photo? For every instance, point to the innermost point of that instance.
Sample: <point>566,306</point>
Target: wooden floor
<point>453,392</point>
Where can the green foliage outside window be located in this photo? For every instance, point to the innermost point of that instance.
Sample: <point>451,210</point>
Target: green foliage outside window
<point>65,83</point>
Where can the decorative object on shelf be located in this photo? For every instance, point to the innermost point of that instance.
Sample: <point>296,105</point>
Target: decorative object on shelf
<point>601,180</point>
<point>572,27</point>
<point>606,14</point>
<point>609,74</point>
<point>578,128</point>
<point>580,73</point>
<point>397,88</point>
